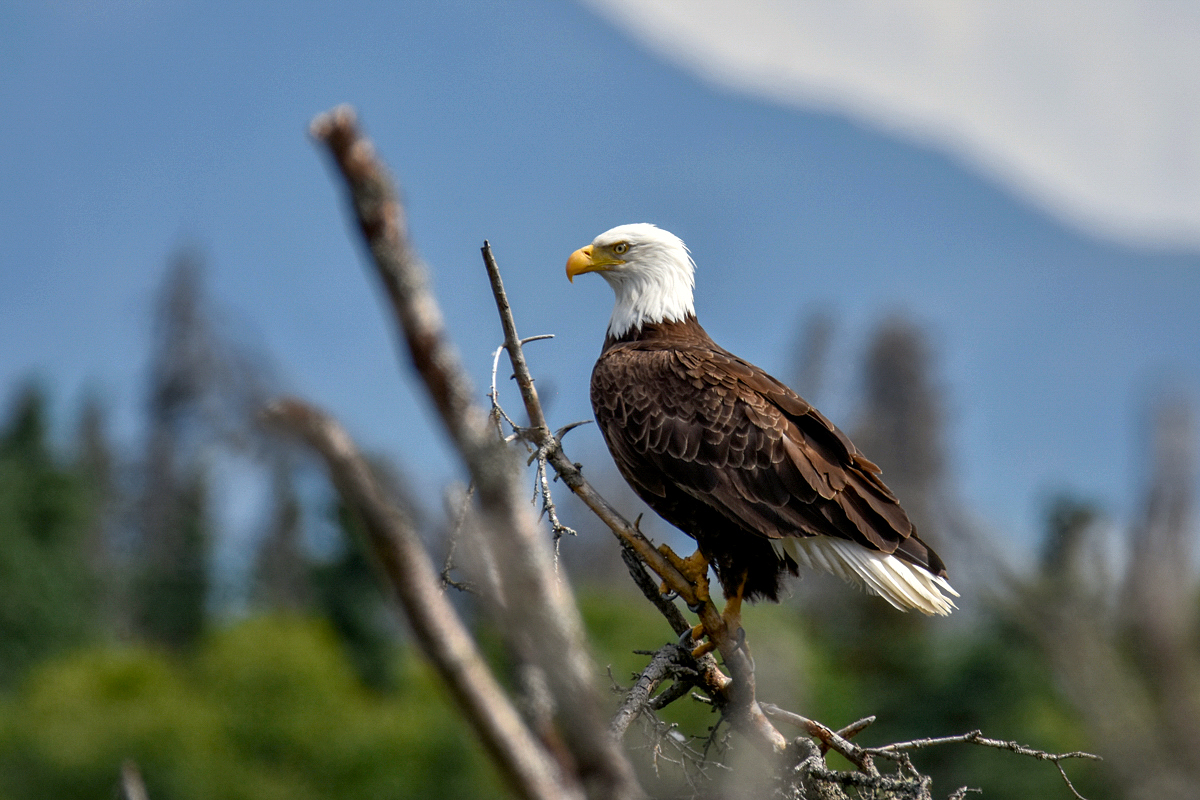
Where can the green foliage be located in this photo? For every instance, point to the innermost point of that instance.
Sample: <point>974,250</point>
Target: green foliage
<point>46,599</point>
<point>268,709</point>
<point>283,707</point>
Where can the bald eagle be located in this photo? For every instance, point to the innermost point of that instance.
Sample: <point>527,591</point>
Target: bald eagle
<point>729,455</point>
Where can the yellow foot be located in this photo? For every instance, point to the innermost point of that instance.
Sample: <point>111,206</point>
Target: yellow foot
<point>694,568</point>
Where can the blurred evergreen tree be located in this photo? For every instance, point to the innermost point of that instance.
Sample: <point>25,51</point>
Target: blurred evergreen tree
<point>1069,522</point>
<point>172,518</point>
<point>1161,581</point>
<point>1123,648</point>
<point>281,572</point>
<point>173,587</point>
<point>98,466</point>
<point>901,423</point>
<point>47,589</point>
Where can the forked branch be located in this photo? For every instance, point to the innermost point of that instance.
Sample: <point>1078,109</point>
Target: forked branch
<point>538,613</point>
<point>435,624</point>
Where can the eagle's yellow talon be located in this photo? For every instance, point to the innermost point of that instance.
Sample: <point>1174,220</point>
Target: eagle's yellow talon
<point>694,569</point>
<point>695,634</point>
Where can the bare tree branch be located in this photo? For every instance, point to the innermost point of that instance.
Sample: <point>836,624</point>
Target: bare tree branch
<point>435,624</point>
<point>459,515</point>
<point>671,662</point>
<point>539,613</point>
<point>637,569</point>
<point>977,737</point>
<point>831,739</point>
<point>861,757</point>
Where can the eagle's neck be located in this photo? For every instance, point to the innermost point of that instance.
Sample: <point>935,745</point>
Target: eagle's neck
<point>659,291</point>
<point>686,332</point>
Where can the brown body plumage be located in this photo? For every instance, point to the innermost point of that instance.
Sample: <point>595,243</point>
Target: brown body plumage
<point>758,477</point>
<point>734,458</point>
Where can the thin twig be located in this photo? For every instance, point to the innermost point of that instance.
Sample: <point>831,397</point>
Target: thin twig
<point>541,477</point>
<point>498,412</point>
<point>452,536</point>
<point>977,737</point>
<point>694,764</point>
<point>855,728</point>
<point>831,739</point>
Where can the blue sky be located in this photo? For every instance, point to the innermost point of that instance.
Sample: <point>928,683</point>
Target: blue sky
<point>136,128</point>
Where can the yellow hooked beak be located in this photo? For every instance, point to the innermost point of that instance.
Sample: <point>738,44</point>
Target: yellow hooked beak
<point>585,259</point>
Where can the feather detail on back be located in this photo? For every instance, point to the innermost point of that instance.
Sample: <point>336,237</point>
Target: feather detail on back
<point>738,461</point>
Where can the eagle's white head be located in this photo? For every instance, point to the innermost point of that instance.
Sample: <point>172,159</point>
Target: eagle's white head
<point>649,270</point>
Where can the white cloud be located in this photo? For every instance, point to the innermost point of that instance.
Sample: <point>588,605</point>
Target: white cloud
<point>1090,109</point>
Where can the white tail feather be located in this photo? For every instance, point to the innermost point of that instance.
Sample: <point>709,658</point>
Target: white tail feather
<point>903,585</point>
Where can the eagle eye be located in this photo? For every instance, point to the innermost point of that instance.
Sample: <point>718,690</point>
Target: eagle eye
<point>621,248</point>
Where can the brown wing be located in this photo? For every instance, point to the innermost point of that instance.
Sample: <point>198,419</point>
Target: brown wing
<point>702,421</point>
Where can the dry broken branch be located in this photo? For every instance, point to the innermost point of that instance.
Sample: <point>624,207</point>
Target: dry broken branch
<point>831,739</point>
<point>436,625</point>
<point>539,614</point>
<point>977,737</point>
<point>671,662</point>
